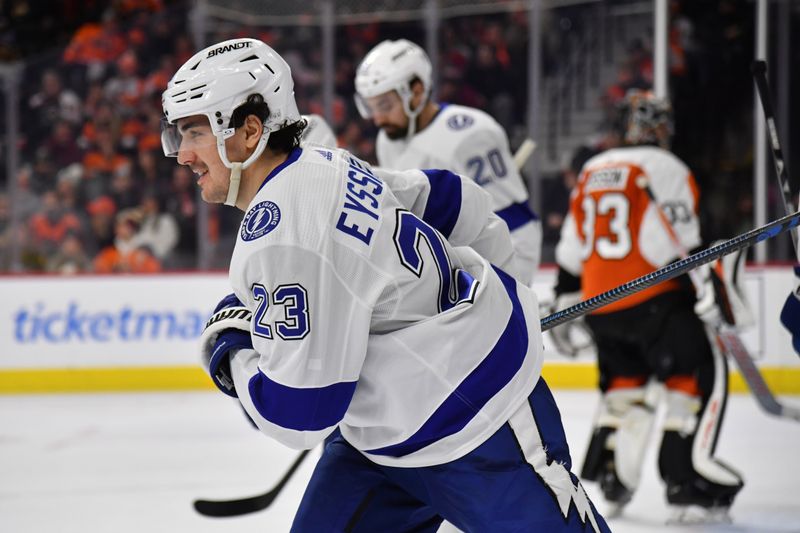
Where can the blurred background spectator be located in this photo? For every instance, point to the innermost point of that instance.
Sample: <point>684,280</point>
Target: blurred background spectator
<point>126,254</point>
<point>90,138</point>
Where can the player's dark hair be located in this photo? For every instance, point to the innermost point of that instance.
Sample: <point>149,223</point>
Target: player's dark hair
<point>417,79</point>
<point>282,140</point>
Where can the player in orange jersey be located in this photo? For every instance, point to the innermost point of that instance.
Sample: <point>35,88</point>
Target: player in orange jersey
<point>613,234</point>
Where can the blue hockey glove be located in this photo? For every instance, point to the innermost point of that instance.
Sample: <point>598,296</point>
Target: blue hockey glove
<point>790,314</point>
<point>228,329</point>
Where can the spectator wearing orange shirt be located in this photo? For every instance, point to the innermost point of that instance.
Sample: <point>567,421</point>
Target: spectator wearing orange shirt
<point>49,227</point>
<point>51,224</point>
<point>102,163</point>
<point>93,46</point>
<point>125,255</point>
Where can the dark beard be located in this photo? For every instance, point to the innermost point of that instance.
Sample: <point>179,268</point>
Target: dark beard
<point>395,133</point>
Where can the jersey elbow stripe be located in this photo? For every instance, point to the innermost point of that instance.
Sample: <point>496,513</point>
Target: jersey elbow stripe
<point>517,215</point>
<point>444,200</point>
<point>496,370</point>
<point>310,409</point>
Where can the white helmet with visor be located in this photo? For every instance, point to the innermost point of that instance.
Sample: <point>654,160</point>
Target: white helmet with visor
<point>217,80</point>
<point>392,66</point>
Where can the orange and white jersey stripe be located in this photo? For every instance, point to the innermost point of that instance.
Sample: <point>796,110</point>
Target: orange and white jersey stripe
<point>613,234</point>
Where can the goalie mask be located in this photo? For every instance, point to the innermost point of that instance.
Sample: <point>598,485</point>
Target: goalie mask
<point>217,80</point>
<point>644,118</point>
<point>393,66</point>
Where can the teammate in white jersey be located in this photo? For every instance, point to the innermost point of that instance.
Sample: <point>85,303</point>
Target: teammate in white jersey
<point>352,314</point>
<point>612,234</point>
<point>393,84</point>
<point>317,131</point>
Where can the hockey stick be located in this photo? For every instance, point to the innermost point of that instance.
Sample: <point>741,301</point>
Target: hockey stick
<point>759,70</point>
<point>672,270</point>
<point>524,152</point>
<point>252,504</point>
<point>730,343</point>
<point>727,340</point>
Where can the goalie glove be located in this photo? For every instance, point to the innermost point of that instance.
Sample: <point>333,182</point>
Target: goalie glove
<point>722,298</point>
<point>573,336</point>
<point>227,330</point>
<point>790,314</point>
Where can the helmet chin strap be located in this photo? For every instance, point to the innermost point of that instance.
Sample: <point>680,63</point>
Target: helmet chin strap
<point>412,115</point>
<point>237,167</point>
<point>233,187</point>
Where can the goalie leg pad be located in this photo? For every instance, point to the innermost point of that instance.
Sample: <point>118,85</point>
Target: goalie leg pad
<point>617,449</point>
<point>691,428</point>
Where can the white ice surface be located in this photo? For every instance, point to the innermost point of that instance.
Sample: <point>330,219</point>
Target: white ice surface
<point>125,463</point>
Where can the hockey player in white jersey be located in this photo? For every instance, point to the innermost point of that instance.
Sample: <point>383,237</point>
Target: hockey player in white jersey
<point>414,191</point>
<point>393,87</point>
<point>425,195</point>
<point>613,233</point>
<point>353,315</point>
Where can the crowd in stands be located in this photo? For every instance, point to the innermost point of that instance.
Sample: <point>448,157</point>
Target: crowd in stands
<point>94,192</point>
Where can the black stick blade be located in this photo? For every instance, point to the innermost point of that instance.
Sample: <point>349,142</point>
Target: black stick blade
<point>253,504</point>
<point>225,508</point>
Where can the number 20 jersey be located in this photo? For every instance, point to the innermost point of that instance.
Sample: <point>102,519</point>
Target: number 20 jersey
<point>367,318</point>
<point>613,232</point>
<point>469,142</point>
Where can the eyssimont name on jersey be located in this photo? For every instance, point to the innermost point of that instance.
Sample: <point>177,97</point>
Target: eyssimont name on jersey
<point>360,214</point>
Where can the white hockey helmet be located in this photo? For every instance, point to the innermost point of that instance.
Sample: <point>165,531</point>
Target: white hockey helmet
<point>317,131</point>
<point>217,80</point>
<point>392,66</point>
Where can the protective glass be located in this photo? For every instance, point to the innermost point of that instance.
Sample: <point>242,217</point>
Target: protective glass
<point>187,134</point>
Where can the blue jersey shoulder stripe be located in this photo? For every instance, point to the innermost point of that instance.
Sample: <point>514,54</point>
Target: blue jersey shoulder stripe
<point>517,215</point>
<point>310,409</point>
<point>444,201</point>
<point>487,379</point>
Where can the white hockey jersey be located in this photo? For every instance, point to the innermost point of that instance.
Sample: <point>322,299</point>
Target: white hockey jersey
<point>435,199</point>
<point>613,234</point>
<point>367,318</point>
<point>471,143</point>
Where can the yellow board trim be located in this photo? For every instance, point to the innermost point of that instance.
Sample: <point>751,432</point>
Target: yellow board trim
<point>781,380</point>
<point>114,379</point>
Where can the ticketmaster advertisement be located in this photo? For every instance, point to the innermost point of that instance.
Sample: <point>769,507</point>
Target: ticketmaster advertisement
<point>105,320</point>
<point>152,322</point>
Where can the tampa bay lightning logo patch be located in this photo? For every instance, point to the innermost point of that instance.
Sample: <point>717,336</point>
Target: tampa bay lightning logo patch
<point>459,122</point>
<point>260,220</point>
